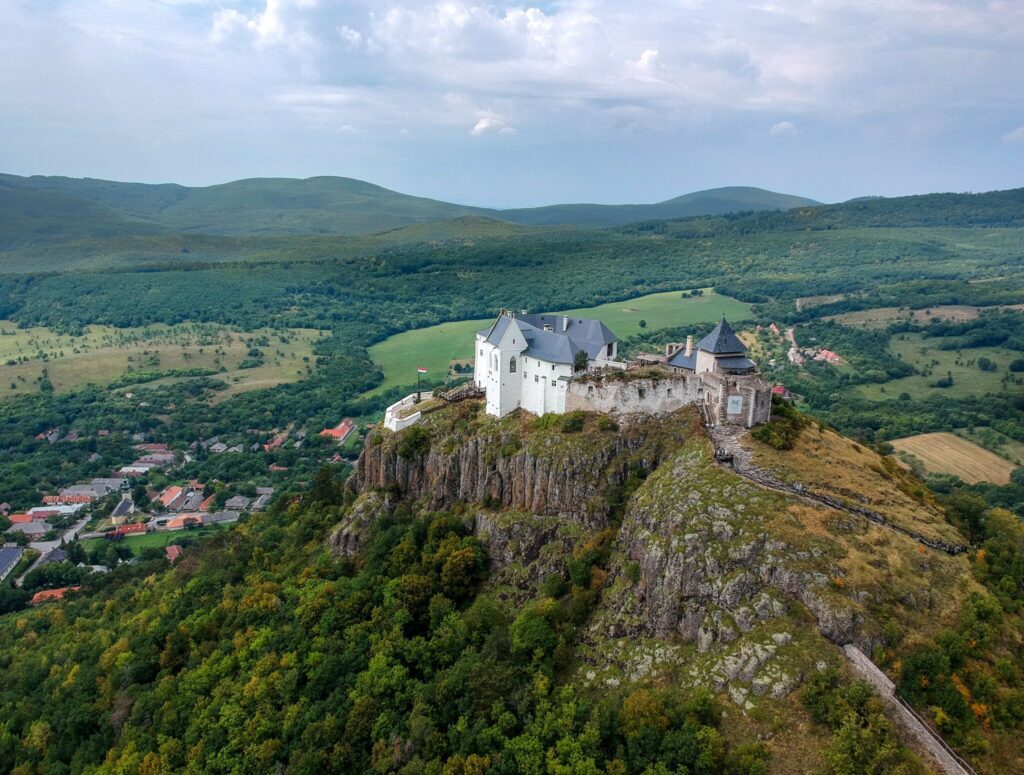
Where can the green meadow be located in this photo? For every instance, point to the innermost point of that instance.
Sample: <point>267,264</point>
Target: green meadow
<point>968,379</point>
<point>437,347</point>
<point>159,539</point>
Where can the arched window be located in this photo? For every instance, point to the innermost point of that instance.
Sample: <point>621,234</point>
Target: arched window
<point>512,365</point>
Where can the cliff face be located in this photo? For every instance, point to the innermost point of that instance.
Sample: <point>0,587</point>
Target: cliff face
<point>737,586</point>
<point>505,466</point>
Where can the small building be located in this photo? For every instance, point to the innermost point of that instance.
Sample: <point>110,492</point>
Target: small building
<point>173,552</point>
<point>53,557</point>
<point>183,521</point>
<point>237,503</point>
<point>170,495</point>
<point>125,530</point>
<point>50,595</point>
<point>10,556</point>
<point>124,509</point>
<point>340,432</point>
<point>220,517</point>
<point>31,529</point>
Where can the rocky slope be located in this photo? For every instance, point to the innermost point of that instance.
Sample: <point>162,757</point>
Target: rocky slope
<point>711,577</point>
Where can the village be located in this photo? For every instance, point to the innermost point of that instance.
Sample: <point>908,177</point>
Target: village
<point>100,522</point>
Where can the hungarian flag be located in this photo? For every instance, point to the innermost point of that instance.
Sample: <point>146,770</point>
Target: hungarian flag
<point>421,369</point>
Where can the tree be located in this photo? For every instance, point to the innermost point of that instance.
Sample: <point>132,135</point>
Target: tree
<point>580,360</point>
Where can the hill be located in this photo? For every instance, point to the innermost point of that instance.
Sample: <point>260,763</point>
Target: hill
<point>334,205</point>
<point>716,201</point>
<point>521,595</point>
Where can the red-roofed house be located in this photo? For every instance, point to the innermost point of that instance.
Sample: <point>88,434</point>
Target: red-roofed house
<point>207,504</point>
<point>828,356</point>
<point>276,467</point>
<point>46,595</point>
<point>66,500</point>
<point>778,390</point>
<point>341,431</point>
<point>173,552</point>
<point>185,520</point>
<point>168,495</point>
<point>21,518</point>
<point>124,530</point>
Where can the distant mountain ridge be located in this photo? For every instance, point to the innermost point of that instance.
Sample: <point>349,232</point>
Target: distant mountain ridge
<point>319,205</point>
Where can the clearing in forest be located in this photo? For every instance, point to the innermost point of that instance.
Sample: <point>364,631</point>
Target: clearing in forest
<point>946,453</point>
<point>126,357</point>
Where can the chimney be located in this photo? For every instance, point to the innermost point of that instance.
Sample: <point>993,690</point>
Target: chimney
<point>689,346</point>
<point>565,323</point>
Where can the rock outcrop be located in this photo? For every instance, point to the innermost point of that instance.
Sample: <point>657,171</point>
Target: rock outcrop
<point>541,471</point>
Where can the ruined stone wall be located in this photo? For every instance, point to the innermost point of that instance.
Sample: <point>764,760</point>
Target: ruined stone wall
<point>648,395</point>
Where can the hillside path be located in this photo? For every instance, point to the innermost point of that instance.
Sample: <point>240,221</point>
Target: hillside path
<point>730,453</point>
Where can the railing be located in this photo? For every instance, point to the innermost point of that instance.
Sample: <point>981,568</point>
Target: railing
<point>935,735</point>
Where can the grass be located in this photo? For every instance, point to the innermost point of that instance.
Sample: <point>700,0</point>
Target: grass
<point>160,539</point>
<point>947,453</point>
<point>104,354</point>
<point>437,347</point>
<point>968,379</point>
<point>881,317</point>
<point>993,440</point>
<point>828,463</point>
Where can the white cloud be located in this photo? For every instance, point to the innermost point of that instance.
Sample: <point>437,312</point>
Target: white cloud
<point>782,128</point>
<point>487,125</point>
<point>1015,136</point>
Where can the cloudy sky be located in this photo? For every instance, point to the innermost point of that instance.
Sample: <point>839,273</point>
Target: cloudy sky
<point>504,104</point>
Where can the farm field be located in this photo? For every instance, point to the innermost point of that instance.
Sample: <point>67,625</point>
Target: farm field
<point>947,453</point>
<point>145,540</point>
<point>103,355</point>
<point>880,317</point>
<point>438,346</point>
<point>968,379</point>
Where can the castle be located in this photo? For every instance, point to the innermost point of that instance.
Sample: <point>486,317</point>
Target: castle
<point>552,364</point>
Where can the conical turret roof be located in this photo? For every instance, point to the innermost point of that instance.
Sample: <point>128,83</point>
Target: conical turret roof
<point>722,340</point>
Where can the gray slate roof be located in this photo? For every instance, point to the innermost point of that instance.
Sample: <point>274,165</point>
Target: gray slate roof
<point>721,340</point>
<point>560,345</point>
<point>683,361</point>
<point>736,362</point>
<point>9,557</point>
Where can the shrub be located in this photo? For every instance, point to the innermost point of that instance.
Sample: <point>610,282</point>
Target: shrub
<point>414,441</point>
<point>783,429</point>
<point>572,422</point>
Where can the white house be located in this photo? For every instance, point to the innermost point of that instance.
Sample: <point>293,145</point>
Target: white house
<point>527,360</point>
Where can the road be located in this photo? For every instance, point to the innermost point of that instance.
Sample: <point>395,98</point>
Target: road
<point>45,546</point>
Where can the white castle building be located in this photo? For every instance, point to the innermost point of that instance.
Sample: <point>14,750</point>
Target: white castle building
<point>526,361</point>
<point>550,364</point>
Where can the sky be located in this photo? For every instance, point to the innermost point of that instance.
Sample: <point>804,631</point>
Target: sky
<point>507,105</point>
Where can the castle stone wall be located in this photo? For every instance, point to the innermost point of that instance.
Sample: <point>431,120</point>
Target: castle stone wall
<point>736,400</point>
<point>626,396</point>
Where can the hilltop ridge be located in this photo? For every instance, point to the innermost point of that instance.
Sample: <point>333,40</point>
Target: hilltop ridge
<point>337,205</point>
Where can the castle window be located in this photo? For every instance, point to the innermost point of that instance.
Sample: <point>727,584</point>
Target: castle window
<point>525,375</point>
<point>552,367</point>
<point>641,392</point>
<point>669,392</point>
<point>611,346</point>
<point>590,390</point>
<point>552,383</point>
<point>512,364</point>
<point>536,378</point>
